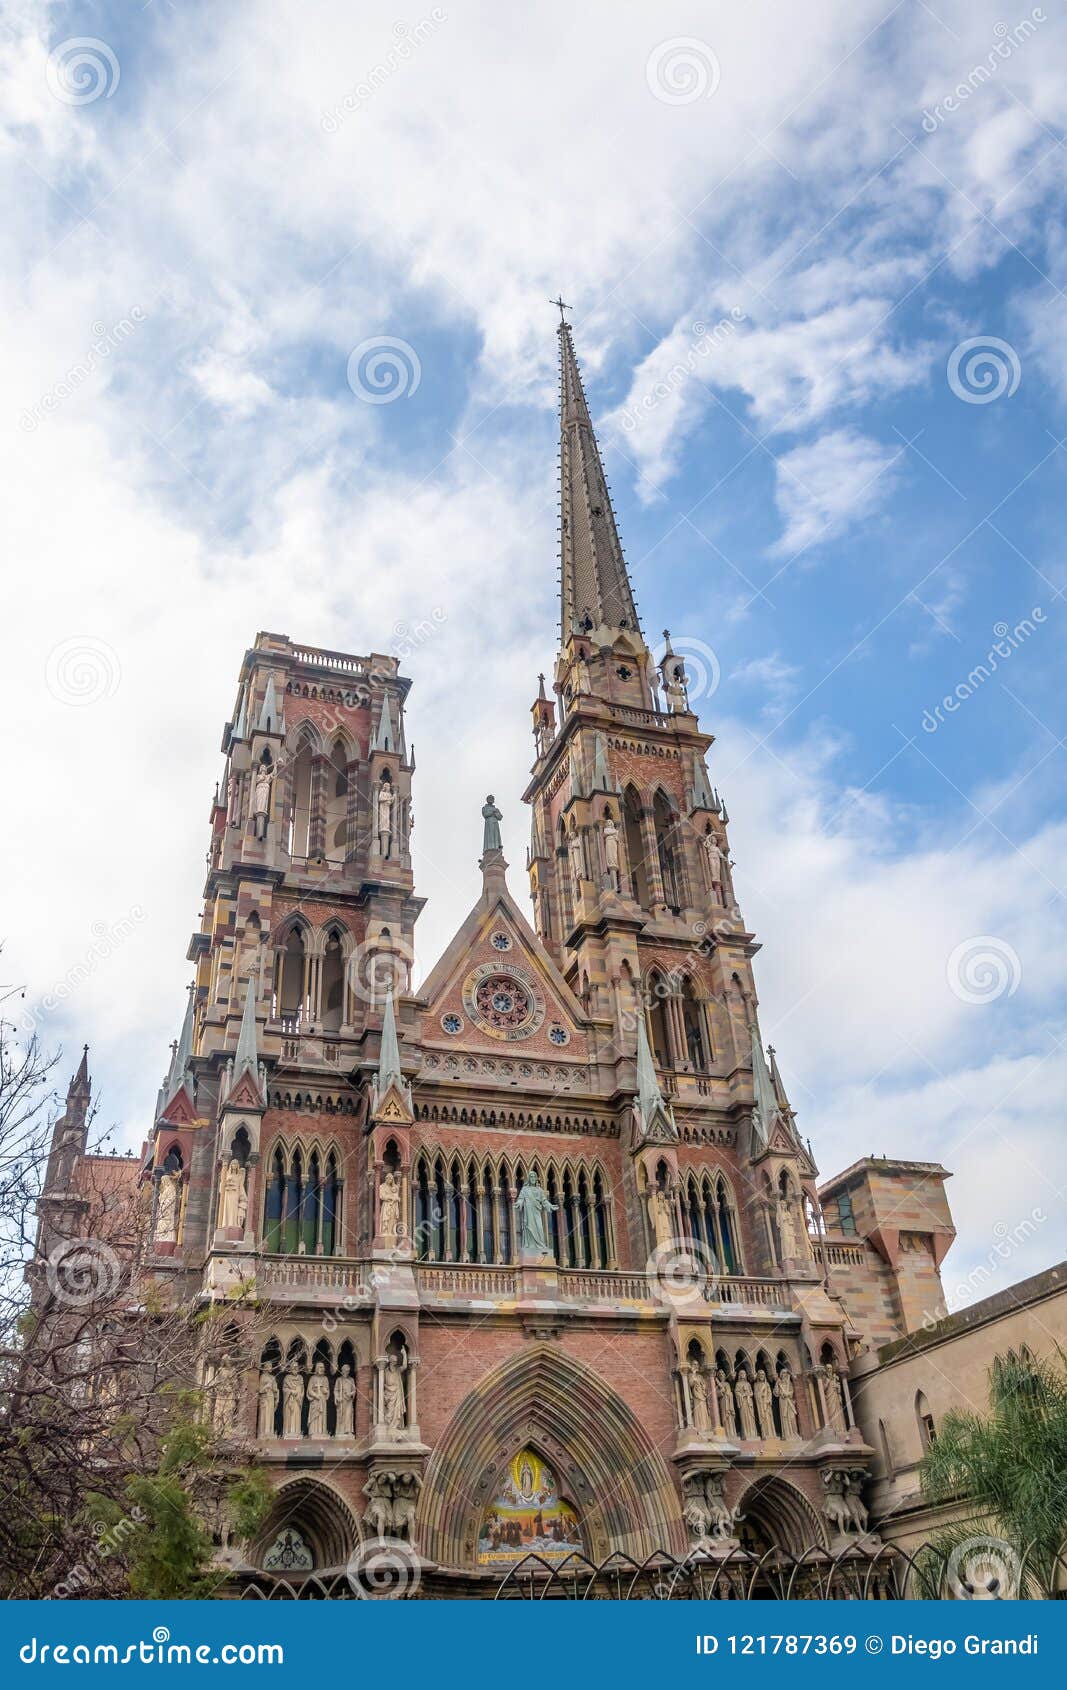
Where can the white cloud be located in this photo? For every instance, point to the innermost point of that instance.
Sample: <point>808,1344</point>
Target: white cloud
<point>829,485</point>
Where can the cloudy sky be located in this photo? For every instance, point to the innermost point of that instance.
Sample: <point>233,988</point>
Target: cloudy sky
<point>816,262</point>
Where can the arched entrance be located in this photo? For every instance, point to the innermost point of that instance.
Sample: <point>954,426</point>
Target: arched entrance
<point>310,1528</point>
<point>776,1515</point>
<point>603,1463</point>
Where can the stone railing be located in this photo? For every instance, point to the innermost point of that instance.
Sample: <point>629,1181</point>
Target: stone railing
<point>314,1275</point>
<point>442,1279</point>
<point>323,659</point>
<point>604,1285</point>
<point>744,1293</point>
<point>844,1255</point>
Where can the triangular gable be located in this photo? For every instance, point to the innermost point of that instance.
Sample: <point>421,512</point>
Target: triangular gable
<point>472,946</point>
<point>180,1111</point>
<point>245,1094</point>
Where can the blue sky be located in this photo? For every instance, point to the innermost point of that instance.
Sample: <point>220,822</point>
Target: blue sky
<point>779,243</point>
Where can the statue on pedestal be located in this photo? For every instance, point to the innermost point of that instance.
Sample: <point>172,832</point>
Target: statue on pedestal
<point>318,1394</point>
<point>662,1218</point>
<point>835,1401</point>
<point>745,1413</point>
<point>611,850</point>
<point>764,1404</point>
<point>727,1410</point>
<point>698,1396</point>
<point>713,858</point>
<point>532,1207</point>
<point>389,1207</point>
<point>384,816</point>
<point>787,1404</point>
<point>491,816</point>
<point>233,1200</point>
<point>292,1401</point>
<point>267,1404</point>
<point>261,800</point>
<point>166,1230</point>
<point>344,1397</point>
<point>393,1371</point>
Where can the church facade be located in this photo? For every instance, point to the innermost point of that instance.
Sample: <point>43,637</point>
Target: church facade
<point>545,1265</point>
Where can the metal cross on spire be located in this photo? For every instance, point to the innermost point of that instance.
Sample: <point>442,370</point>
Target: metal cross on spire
<point>563,306</point>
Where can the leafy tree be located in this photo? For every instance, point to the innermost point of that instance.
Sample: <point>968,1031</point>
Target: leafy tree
<point>1010,1464</point>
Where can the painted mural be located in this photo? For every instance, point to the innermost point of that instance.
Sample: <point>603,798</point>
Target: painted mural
<point>529,1517</point>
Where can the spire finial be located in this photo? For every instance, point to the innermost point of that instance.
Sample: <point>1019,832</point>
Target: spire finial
<point>563,306</point>
<point>389,1070</point>
<point>246,1054</point>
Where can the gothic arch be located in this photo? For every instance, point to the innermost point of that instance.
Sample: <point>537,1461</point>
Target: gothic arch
<point>783,1514</point>
<point>321,1516</point>
<point>602,1456</point>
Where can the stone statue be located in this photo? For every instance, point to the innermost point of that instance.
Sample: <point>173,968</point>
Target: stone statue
<point>835,1507</point>
<point>697,1519</point>
<point>581,674</point>
<point>318,1396</point>
<point>722,1519</point>
<point>727,1411</point>
<point>698,1396</point>
<point>835,1401</point>
<point>224,1398</point>
<point>611,849</point>
<point>233,1206</point>
<point>491,816</point>
<point>787,1232</point>
<point>764,1404</point>
<point>384,816</point>
<point>662,1222</point>
<point>787,1404</point>
<point>854,1501</point>
<point>531,1210</point>
<point>389,1206</point>
<point>292,1401</point>
<point>268,1403</point>
<point>378,1514</point>
<point>170,1185</point>
<point>745,1412</point>
<point>344,1397</point>
<point>406,1487</point>
<point>261,800</point>
<point>713,858</point>
<point>675,688</point>
<point>394,1400</point>
<point>574,852</point>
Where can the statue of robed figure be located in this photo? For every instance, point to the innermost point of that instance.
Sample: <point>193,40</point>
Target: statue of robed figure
<point>492,817</point>
<point>532,1207</point>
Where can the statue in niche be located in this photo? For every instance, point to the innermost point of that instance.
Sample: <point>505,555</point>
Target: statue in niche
<point>267,1403</point>
<point>745,1410</point>
<point>318,1394</point>
<point>764,1398</point>
<point>675,687</point>
<point>611,849</point>
<point>574,853</point>
<point>532,1208</point>
<point>394,1397</point>
<point>224,1398</point>
<point>835,1400</point>
<point>261,800</point>
<point>698,1395</point>
<point>384,818</point>
<point>787,1404</point>
<point>787,1232</point>
<point>389,1206</point>
<point>662,1220</point>
<point>233,1202</point>
<point>344,1397</point>
<point>715,862</point>
<point>727,1410</point>
<point>581,673</point>
<point>292,1401</point>
<point>492,818</point>
<point>233,795</point>
<point>170,1186</point>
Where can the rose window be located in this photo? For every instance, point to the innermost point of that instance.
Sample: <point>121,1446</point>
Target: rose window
<point>502,1002</point>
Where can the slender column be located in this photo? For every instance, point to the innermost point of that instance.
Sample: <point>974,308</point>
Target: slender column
<point>705,1026</point>
<point>676,1030</point>
<point>651,850</point>
<point>317,802</point>
<point>320,1204</point>
<point>351,810</point>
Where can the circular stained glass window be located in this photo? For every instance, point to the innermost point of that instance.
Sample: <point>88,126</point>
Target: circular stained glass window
<point>452,1023</point>
<point>500,942</point>
<point>558,1035</point>
<point>502,1002</point>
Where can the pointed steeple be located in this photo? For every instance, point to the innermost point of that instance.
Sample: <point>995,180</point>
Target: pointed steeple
<point>389,1055</point>
<point>182,1054</point>
<point>385,735</point>
<point>247,1054</point>
<point>241,726</point>
<point>766,1111</point>
<point>655,1119</point>
<point>80,1086</point>
<point>270,717</point>
<point>594,583</point>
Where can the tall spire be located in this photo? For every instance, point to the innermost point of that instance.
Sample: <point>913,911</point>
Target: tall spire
<point>593,577</point>
<point>183,1051</point>
<point>246,1055</point>
<point>389,1054</point>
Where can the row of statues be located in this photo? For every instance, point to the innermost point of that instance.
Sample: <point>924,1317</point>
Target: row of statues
<point>745,1407</point>
<point>317,1391</point>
